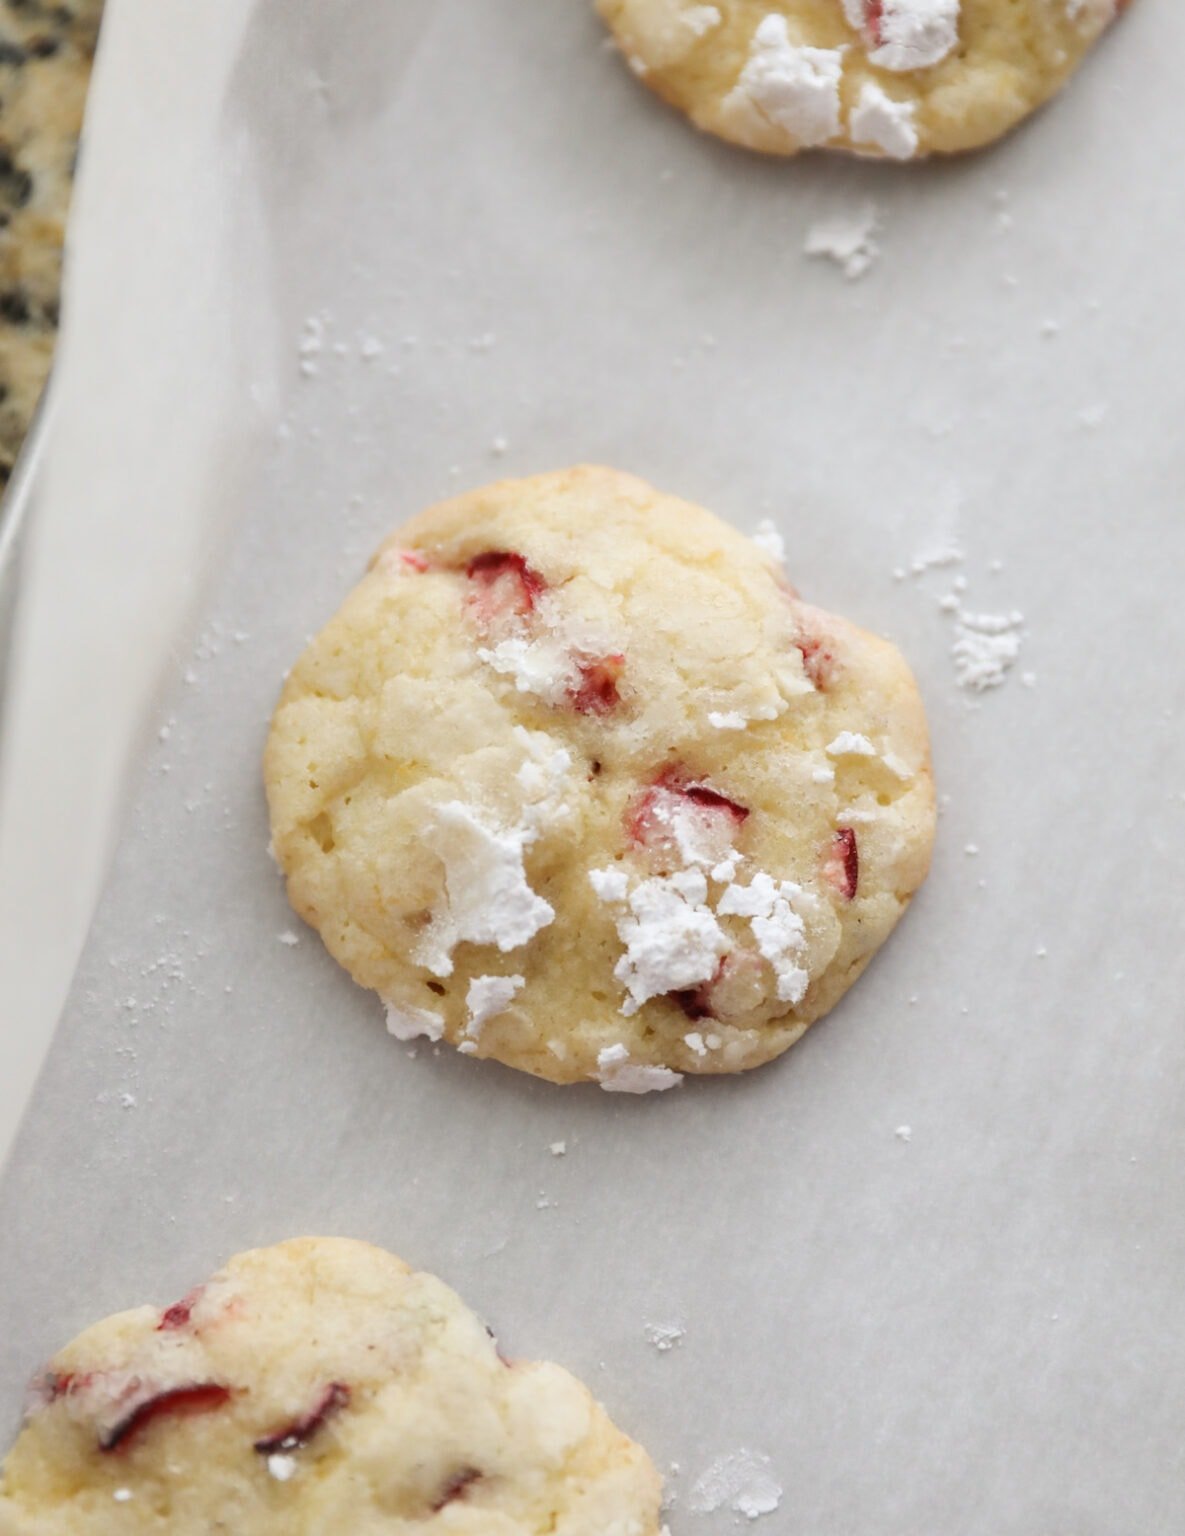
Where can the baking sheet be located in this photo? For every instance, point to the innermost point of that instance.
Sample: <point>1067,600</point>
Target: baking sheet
<point>496,235</point>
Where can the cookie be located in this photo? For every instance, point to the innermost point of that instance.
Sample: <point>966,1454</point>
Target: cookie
<point>317,1386</point>
<point>893,79</point>
<point>575,781</point>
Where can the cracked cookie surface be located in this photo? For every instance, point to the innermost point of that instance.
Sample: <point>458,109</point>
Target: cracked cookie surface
<point>318,1385</point>
<point>895,79</point>
<point>575,781</point>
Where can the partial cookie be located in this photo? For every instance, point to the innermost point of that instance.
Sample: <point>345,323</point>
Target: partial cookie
<point>886,78</point>
<point>575,781</point>
<point>319,1386</point>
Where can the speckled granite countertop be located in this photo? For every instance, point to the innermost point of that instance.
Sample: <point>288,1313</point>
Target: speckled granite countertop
<point>46,51</point>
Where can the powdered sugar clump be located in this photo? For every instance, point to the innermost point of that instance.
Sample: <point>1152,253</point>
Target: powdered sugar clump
<point>848,239</point>
<point>488,898</point>
<point>986,648</point>
<point>672,941</point>
<point>777,927</point>
<point>770,541</point>
<point>851,744</point>
<point>740,1481</point>
<point>907,34</point>
<point>787,85</point>
<point>488,996</point>
<point>664,1336</point>
<point>618,1074</point>
<point>408,1023</point>
<point>887,125</point>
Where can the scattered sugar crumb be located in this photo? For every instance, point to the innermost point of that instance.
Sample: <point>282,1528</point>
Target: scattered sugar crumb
<point>557,1148</point>
<point>1092,416</point>
<point>740,1481</point>
<point>767,538</point>
<point>904,1133</point>
<point>971,849</point>
<point>499,445</point>
<point>371,348</point>
<point>544,1204</point>
<point>310,345</point>
<point>1028,679</point>
<point>848,239</point>
<point>944,553</point>
<point>122,1495</point>
<point>289,938</point>
<point>664,1336</point>
<point>1041,952</point>
<point>281,1467</point>
<point>986,648</point>
<point>127,1101</point>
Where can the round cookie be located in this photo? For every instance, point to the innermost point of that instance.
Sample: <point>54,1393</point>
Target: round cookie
<point>575,781</point>
<point>316,1386</point>
<point>893,79</point>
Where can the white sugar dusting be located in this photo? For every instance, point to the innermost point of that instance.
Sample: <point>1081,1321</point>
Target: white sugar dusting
<point>882,123</point>
<point>986,648</point>
<point>908,34</point>
<point>281,1467</point>
<point>672,940</point>
<point>488,996</point>
<point>770,541</point>
<point>777,927</point>
<point>740,1481</point>
<point>847,239</point>
<point>787,86</point>
<point>618,1074</point>
<point>408,1023</point>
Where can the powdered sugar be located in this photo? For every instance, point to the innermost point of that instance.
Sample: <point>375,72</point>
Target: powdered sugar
<point>788,86</point>
<point>672,940</point>
<point>777,927</point>
<point>887,125</point>
<point>906,34</point>
<point>409,1023</point>
<point>769,541</point>
<point>851,744</point>
<point>664,1336</point>
<point>544,666</point>
<point>488,996</point>
<point>848,239</point>
<point>618,1074</point>
<point>987,646</point>
<point>739,1480</point>
<point>488,899</point>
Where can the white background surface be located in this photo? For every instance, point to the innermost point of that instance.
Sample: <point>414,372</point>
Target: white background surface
<point>975,1331</point>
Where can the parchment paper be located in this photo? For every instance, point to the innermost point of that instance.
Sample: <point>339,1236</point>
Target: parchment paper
<point>976,1331</point>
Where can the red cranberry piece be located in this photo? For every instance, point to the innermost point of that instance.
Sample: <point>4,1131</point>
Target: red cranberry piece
<point>697,1002</point>
<point>502,587</point>
<point>596,692</point>
<point>818,659</point>
<point>292,1436</point>
<point>874,11</point>
<point>178,1402</point>
<point>841,863</point>
<point>455,1487</point>
<point>651,816</point>
<point>179,1314</point>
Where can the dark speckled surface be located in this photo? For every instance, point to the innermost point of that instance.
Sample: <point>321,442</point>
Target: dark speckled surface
<point>46,50</point>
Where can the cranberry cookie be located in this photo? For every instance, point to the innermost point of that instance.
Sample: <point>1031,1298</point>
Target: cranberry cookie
<point>317,1386</point>
<point>886,78</point>
<point>574,780</point>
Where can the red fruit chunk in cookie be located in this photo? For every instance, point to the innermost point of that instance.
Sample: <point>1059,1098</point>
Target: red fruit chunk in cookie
<point>818,659</point>
<point>180,1313</point>
<point>455,1488</point>
<point>841,863</point>
<point>674,812</point>
<point>503,587</point>
<point>596,692</point>
<point>177,1402</point>
<point>292,1436</point>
